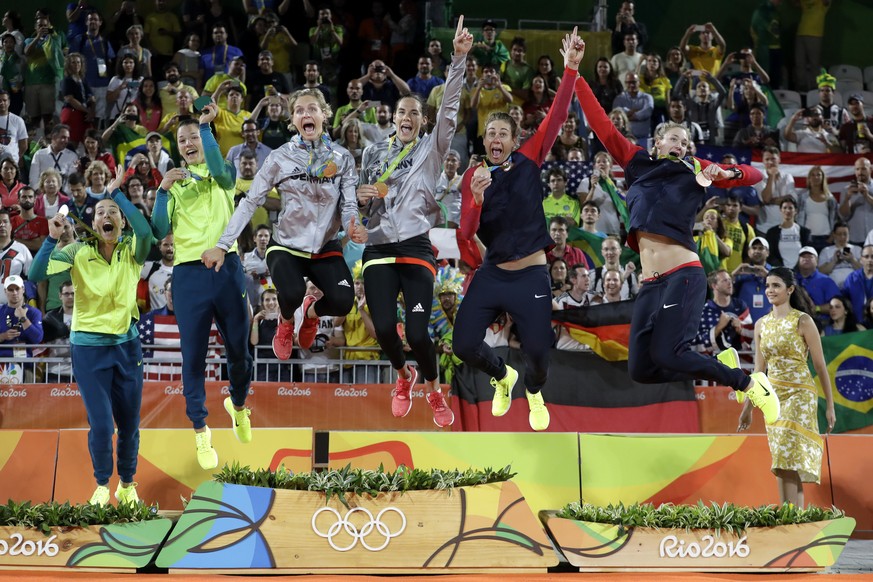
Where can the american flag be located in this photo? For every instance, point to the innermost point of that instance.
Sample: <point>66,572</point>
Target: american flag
<point>576,172</point>
<point>709,343</point>
<point>159,328</point>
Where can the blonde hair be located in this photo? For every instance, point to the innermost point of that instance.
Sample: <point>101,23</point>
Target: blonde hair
<point>96,166</point>
<point>824,180</point>
<point>662,130</point>
<point>319,98</point>
<point>48,173</point>
<point>69,59</point>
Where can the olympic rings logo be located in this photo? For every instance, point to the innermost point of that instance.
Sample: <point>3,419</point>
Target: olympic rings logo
<point>343,523</point>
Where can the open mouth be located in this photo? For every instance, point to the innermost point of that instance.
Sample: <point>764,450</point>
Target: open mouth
<point>191,152</point>
<point>308,128</point>
<point>495,153</point>
<point>107,227</point>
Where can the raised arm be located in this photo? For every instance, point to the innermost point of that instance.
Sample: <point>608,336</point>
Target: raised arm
<point>538,146</point>
<point>141,229</point>
<point>221,170</point>
<point>447,116</point>
<point>725,175</point>
<point>471,206</point>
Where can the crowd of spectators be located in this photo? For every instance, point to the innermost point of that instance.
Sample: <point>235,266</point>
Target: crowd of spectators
<point>76,103</point>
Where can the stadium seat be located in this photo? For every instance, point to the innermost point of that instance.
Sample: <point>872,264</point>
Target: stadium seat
<point>868,97</point>
<point>788,99</point>
<point>812,98</point>
<point>847,72</point>
<point>868,75</point>
<point>849,86</point>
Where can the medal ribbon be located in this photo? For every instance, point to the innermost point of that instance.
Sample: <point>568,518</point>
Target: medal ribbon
<point>505,166</point>
<point>386,173</point>
<point>318,171</point>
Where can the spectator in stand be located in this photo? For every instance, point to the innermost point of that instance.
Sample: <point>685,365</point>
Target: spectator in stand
<point>188,61</point>
<point>772,191</point>
<point>435,50</point>
<point>94,152</point>
<point>568,139</point>
<point>627,61</point>
<point>676,114</point>
<point>605,85</point>
<point>9,186</point>
<point>266,214</point>
<point>56,327</point>
<point>134,189</point>
<point>488,49</point>
<point>312,77</point>
<point>808,42</point>
<point>601,189</point>
<point>713,244</point>
<point>820,288</point>
<point>757,135</point>
<point>559,228</point>
<point>858,286</point>
<point>125,17</point>
<point>654,81</point>
<point>738,233</point>
<point>742,94</point>
<point>489,96</point>
<point>228,123</point>
<point>265,81</point>
<point>50,197</point>
<point>625,24</point>
<point>611,287</point>
<point>81,205</point>
<point>264,324</point>
<point>98,56</point>
<point>539,100</point>
<point>448,190</point>
<point>279,42</point>
<point>517,73</point>
<point>28,228</point>
<point>219,14</point>
<point>827,88</point>
<point>611,251</point>
<point>123,131</point>
<point>351,137</point>
<point>150,109</point>
<point>362,110</point>
<point>382,85</point>
<point>856,206</point>
<point>818,208</point>
<point>750,279</point>
<point>590,214</point>
<point>815,138</point>
<point>55,156</point>
<point>44,52</point>
<point>559,203</point>
<point>747,195</point>
<point>19,324</point>
<point>12,68</point>
<point>140,165</point>
<point>134,48</point>
<point>868,314</point>
<point>157,273</point>
<point>359,331</point>
<point>162,29</point>
<point>13,137</point>
<point>374,34</point>
<point>170,88</point>
<point>841,258</point>
<point>638,106</point>
<point>674,65</point>
<point>546,69</point>
<point>705,56</point>
<point>558,274</point>
<point>254,264</point>
<point>184,112</point>
<point>124,86</point>
<point>326,39</point>
<point>424,82</point>
<point>765,29</point>
<point>158,157</point>
<point>748,68</point>
<point>218,57</point>
<point>726,321</point>
<point>787,238</point>
<point>276,131</point>
<point>96,177</point>
<point>577,296</point>
<point>856,136</point>
<point>842,318</point>
<point>322,353</point>
<point>236,74</point>
<point>702,105</point>
<point>14,256</point>
<point>250,143</point>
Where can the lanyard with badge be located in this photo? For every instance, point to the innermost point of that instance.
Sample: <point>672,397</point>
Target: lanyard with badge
<point>380,184</point>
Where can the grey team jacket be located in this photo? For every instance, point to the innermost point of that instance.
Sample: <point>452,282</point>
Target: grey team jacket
<point>410,208</point>
<point>313,209</point>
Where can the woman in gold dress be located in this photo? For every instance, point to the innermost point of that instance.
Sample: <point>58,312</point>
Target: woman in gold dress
<point>783,339</point>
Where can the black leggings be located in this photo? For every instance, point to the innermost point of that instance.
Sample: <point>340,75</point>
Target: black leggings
<point>330,274</point>
<point>382,284</point>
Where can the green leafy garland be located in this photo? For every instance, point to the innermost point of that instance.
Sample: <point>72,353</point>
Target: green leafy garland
<point>44,516</point>
<point>727,517</point>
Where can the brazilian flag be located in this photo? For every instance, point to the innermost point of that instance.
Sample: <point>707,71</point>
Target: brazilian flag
<point>590,243</point>
<point>850,367</point>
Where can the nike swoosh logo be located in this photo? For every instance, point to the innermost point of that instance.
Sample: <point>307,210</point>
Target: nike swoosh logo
<point>244,294</point>
<point>671,305</point>
<point>539,296</point>
<point>139,363</point>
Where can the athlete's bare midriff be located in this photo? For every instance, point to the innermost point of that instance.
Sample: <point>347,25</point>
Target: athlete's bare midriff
<point>537,258</point>
<point>659,254</point>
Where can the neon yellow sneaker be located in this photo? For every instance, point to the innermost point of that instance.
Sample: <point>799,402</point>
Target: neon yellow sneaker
<point>240,423</point>
<point>206,455</point>
<point>100,496</point>
<point>731,359</point>
<point>763,396</point>
<point>127,495</point>
<point>503,392</point>
<point>539,414</point>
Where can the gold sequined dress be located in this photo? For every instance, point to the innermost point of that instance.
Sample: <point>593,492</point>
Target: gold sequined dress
<point>795,444</point>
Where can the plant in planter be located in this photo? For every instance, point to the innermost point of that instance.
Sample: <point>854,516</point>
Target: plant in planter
<point>49,535</point>
<point>699,537</point>
<point>355,520</point>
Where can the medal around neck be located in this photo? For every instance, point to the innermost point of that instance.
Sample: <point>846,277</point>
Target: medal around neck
<point>329,169</point>
<point>64,210</point>
<point>382,187</point>
<point>702,179</point>
<point>482,172</point>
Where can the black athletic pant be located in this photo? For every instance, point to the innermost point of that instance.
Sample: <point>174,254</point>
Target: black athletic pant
<point>328,271</point>
<point>666,318</point>
<point>526,295</point>
<point>382,284</point>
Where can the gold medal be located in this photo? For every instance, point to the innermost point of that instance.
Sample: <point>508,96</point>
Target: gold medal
<point>329,169</point>
<point>382,187</point>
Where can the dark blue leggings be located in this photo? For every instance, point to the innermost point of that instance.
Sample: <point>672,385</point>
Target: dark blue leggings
<point>199,296</point>
<point>526,295</point>
<point>110,383</point>
<point>666,318</point>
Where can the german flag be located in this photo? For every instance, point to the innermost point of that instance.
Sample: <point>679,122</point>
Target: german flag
<point>849,358</point>
<point>605,327</point>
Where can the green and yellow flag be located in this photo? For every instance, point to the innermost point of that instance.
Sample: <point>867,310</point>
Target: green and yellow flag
<point>590,243</point>
<point>849,358</point>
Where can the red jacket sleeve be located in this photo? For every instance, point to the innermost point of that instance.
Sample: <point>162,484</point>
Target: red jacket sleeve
<point>470,211</point>
<point>751,176</point>
<point>618,147</point>
<point>538,146</point>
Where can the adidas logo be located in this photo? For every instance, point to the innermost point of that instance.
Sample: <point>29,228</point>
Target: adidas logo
<point>418,308</point>
<point>344,283</point>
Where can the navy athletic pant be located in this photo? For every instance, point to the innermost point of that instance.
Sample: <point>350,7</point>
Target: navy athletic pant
<point>526,295</point>
<point>666,318</point>
<point>199,296</point>
<point>110,383</point>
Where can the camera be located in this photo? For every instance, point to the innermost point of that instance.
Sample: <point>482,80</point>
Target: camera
<point>379,69</point>
<point>325,21</point>
<point>131,118</point>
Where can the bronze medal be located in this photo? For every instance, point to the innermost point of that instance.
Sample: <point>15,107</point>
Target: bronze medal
<point>382,187</point>
<point>330,169</point>
<point>481,172</point>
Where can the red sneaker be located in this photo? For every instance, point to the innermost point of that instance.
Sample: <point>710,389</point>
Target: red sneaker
<point>442,414</point>
<point>283,341</point>
<point>309,328</point>
<point>401,399</point>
